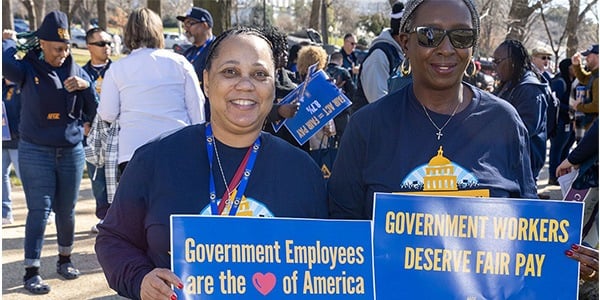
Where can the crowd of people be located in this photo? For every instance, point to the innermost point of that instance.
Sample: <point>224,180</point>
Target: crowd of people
<point>163,133</point>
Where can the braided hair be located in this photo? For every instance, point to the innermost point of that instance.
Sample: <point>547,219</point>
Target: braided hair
<point>213,51</point>
<point>408,17</point>
<point>521,62</point>
<point>278,41</point>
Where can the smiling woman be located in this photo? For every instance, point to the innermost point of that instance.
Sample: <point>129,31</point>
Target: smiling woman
<point>224,167</point>
<point>437,128</point>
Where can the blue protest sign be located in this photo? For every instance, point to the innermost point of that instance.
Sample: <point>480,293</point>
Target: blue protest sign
<point>251,258</point>
<point>474,248</point>
<point>320,101</point>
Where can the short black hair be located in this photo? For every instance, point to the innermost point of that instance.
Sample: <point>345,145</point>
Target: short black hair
<point>90,33</point>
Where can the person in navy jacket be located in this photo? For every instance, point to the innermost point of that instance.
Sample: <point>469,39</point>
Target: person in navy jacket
<point>55,93</point>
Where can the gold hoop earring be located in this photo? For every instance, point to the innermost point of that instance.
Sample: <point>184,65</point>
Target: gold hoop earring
<point>473,70</point>
<point>404,70</point>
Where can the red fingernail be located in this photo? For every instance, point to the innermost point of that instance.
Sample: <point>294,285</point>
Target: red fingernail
<point>173,297</point>
<point>569,253</point>
<point>575,247</point>
<point>180,285</point>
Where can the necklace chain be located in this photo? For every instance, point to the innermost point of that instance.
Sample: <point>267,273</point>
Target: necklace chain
<point>439,129</point>
<point>99,70</point>
<point>221,169</point>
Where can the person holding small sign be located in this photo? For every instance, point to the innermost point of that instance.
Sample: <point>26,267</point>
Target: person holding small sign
<point>225,167</point>
<point>438,135</point>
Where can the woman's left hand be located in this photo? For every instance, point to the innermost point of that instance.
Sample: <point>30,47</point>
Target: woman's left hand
<point>75,83</point>
<point>588,259</point>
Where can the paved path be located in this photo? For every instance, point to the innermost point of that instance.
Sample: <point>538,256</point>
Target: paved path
<point>92,283</point>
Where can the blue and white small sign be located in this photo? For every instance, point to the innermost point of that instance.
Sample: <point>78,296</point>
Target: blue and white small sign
<point>320,101</point>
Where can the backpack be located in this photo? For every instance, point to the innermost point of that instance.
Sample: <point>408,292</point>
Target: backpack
<point>359,99</point>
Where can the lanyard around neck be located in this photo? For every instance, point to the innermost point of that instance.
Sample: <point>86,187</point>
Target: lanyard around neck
<point>242,175</point>
<point>192,58</point>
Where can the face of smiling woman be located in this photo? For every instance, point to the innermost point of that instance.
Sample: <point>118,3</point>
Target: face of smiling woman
<point>240,87</point>
<point>55,53</point>
<point>441,67</point>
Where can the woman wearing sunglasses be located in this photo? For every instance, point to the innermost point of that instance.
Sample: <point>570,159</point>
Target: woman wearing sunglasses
<point>436,135</point>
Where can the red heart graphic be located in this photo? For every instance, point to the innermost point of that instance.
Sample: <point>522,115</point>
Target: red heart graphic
<point>264,283</point>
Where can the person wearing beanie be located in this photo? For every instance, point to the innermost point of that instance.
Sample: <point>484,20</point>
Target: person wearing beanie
<point>56,93</point>
<point>383,58</point>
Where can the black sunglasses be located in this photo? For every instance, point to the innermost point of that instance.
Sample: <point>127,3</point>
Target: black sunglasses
<point>431,37</point>
<point>545,57</point>
<point>101,44</point>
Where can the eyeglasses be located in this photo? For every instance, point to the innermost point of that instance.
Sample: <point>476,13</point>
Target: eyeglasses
<point>431,37</point>
<point>101,44</point>
<point>351,43</point>
<point>497,61</point>
<point>545,57</point>
<point>190,24</point>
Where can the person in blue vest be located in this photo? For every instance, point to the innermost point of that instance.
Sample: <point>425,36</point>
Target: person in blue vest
<point>198,24</point>
<point>225,167</point>
<point>11,98</point>
<point>99,44</point>
<point>436,135</point>
<point>55,94</point>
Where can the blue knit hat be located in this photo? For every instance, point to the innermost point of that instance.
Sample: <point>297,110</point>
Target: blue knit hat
<point>55,27</point>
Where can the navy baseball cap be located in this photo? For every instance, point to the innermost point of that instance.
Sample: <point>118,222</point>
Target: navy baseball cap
<point>591,49</point>
<point>55,27</point>
<point>199,14</point>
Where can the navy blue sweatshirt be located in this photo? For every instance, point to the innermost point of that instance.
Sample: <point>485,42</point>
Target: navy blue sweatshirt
<point>45,103</point>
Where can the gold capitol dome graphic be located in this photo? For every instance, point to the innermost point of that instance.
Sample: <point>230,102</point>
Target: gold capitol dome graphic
<point>439,174</point>
<point>442,177</point>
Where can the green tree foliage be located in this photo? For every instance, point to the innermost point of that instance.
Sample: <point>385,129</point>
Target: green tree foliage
<point>373,24</point>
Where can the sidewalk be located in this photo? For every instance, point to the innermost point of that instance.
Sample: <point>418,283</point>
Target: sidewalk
<point>92,283</point>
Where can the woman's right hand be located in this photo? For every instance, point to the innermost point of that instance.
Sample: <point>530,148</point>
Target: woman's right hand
<point>156,285</point>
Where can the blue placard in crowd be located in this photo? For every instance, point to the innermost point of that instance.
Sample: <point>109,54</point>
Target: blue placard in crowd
<point>320,101</point>
<point>275,258</point>
<point>5,127</point>
<point>474,248</point>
